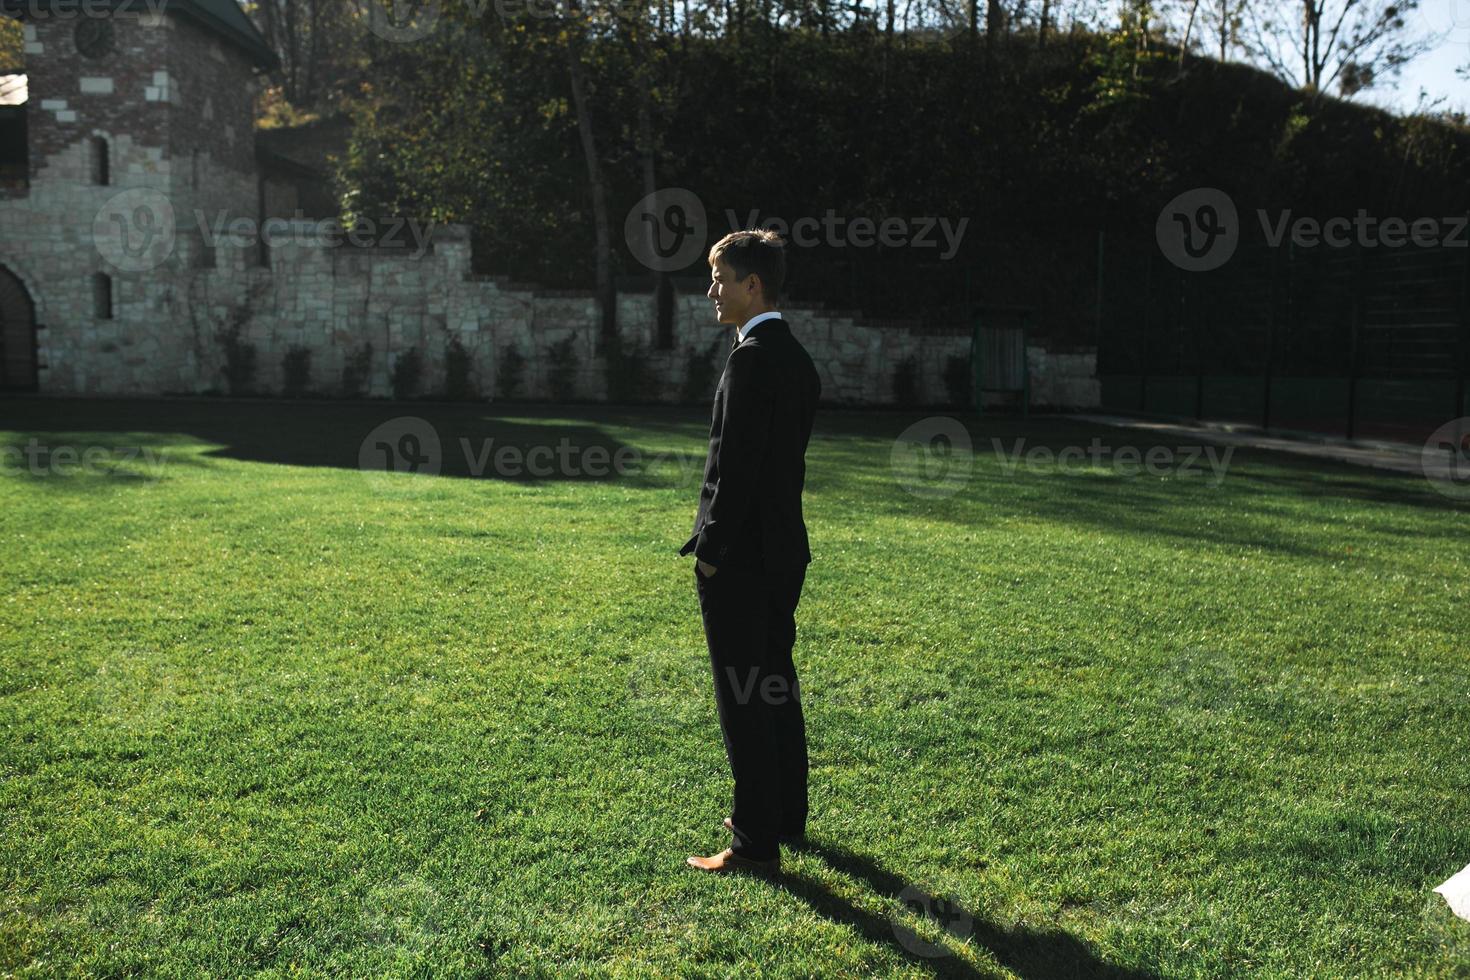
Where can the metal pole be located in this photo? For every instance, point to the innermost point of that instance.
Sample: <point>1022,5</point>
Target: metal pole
<point>1270,339</point>
<point>1199,345</point>
<point>1464,357</point>
<point>1360,266</point>
<point>1148,290</point>
<point>1025,366</point>
<point>1097,330</point>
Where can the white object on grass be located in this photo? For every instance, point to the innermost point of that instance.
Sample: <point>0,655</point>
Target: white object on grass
<point>1456,891</point>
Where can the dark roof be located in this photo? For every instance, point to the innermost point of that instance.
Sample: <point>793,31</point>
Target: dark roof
<point>223,18</point>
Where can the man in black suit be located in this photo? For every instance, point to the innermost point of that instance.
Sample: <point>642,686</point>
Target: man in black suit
<point>751,551</point>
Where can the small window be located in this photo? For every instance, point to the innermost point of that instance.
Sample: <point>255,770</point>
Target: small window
<point>102,296</point>
<point>101,165</point>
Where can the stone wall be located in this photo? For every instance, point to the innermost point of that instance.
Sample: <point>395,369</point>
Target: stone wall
<point>166,333</point>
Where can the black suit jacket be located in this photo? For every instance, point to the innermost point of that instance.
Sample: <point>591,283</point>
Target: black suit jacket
<point>750,505</point>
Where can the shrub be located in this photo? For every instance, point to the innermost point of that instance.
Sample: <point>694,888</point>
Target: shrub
<point>406,371</point>
<point>296,370</point>
<point>458,367</point>
<point>239,366</point>
<point>356,371</point>
<point>699,377</point>
<point>906,381</point>
<point>959,381</point>
<point>510,372</point>
<point>239,353</point>
<point>562,374</point>
<point>630,377</point>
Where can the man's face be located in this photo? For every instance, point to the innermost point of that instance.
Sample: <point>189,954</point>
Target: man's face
<point>732,299</point>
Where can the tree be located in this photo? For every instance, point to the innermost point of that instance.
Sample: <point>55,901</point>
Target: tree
<point>1224,24</point>
<point>1314,44</point>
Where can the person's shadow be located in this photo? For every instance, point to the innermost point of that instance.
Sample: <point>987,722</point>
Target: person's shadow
<point>1042,954</point>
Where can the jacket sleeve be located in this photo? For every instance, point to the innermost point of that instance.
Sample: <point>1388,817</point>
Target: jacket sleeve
<point>745,434</point>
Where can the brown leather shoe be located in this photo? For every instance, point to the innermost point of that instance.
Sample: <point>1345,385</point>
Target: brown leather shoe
<point>727,861</point>
<point>790,840</point>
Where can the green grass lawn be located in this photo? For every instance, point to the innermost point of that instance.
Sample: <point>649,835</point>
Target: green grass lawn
<point>265,712</point>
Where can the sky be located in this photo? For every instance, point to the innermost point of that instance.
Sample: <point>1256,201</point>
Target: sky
<point>1433,72</point>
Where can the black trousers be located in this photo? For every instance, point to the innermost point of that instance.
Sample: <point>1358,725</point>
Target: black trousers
<point>750,628</point>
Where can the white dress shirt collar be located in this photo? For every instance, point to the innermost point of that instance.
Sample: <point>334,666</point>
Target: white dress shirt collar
<point>773,314</point>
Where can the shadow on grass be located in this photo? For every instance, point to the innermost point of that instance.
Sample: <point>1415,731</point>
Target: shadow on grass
<point>529,443</point>
<point>1251,498</point>
<point>1033,953</point>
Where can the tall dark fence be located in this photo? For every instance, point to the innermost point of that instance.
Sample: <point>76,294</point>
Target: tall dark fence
<point>1362,342</point>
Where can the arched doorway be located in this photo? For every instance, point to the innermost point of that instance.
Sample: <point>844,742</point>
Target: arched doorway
<point>17,335</point>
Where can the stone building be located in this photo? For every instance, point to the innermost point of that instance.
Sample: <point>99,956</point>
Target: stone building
<point>151,242</point>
